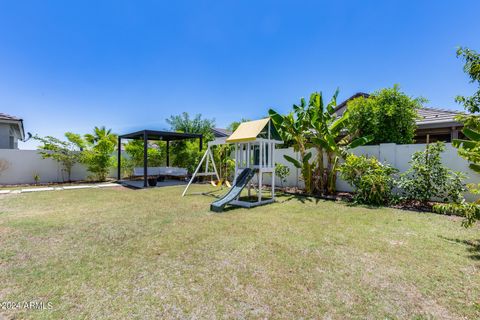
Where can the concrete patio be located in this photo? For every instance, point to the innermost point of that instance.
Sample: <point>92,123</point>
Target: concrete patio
<point>138,184</point>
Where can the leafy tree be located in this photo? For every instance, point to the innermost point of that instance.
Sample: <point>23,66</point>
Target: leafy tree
<point>389,115</point>
<point>186,153</point>
<point>222,154</point>
<point>183,123</point>
<point>472,68</point>
<point>234,125</point>
<point>470,149</point>
<point>428,178</point>
<point>223,160</point>
<point>134,149</point>
<point>155,153</point>
<point>66,153</point>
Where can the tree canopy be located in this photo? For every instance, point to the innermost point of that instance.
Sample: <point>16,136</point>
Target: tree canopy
<point>388,114</point>
<point>184,123</point>
<point>472,103</point>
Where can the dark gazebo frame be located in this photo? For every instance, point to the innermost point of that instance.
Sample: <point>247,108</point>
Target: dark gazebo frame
<point>154,136</point>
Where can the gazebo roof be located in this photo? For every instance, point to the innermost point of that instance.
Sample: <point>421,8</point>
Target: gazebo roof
<point>160,135</point>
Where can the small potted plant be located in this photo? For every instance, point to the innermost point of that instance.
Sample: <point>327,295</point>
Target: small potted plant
<point>152,181</point>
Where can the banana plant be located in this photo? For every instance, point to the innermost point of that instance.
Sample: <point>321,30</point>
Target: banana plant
<point>470,149</point>
<point>317,126</point>
<point>327,130</point>
<point>293,128</point>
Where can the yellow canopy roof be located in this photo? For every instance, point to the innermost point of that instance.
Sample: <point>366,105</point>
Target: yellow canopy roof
<point>248,131</point>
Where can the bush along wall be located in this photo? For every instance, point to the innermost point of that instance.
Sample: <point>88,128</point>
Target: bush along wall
<point>426,185</point>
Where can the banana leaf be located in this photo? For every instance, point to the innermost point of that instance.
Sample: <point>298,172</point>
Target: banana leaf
<point>295,162</point>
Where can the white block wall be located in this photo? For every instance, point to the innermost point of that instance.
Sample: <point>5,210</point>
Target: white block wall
<point>23,164</point>
<point>398,156</point>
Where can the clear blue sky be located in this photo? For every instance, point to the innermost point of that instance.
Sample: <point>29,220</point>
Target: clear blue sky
<point>71,65</point>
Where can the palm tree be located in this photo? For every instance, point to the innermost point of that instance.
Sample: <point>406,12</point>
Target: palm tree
<point>100,134</point>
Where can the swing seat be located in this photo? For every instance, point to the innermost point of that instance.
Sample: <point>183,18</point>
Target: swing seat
<point>216,183</point>
<point>219,183</point>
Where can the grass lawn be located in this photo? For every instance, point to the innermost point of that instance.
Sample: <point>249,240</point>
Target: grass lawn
<point>119,254</point>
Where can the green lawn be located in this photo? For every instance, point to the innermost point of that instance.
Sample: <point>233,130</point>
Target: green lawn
<point>120,254</point>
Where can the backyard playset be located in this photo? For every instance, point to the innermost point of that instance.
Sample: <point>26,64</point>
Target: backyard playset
<point>255,143</point>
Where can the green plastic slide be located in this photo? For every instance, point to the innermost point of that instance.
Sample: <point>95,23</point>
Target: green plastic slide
<point>243,178</point>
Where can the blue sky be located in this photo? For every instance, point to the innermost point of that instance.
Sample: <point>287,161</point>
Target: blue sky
<point>71,65</point>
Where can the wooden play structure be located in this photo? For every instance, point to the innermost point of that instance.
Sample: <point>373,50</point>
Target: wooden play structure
<point>255,143</point>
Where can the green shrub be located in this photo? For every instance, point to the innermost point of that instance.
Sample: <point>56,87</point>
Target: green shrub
<point>186,154</point>
<point>134,149</point>
<point>427,178</point>
<point>282,172</point>
<point>223,160</point>
<point>471,211</point>
<point>373,180</point>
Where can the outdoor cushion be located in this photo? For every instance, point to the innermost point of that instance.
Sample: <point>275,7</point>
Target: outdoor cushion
<point>161,171</point>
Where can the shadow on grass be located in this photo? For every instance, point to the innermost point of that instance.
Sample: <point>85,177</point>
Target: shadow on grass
<point>310,198</point>
<point>472,246</point>
<point>299,198</point>
<point>366,206</point>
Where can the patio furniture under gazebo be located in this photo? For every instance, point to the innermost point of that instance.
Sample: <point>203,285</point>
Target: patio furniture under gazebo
<point>154,135</point>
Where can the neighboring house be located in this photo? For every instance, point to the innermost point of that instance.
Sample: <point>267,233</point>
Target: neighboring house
<point>434,124</point>
<point>11,130</point>
<point>221,133</point>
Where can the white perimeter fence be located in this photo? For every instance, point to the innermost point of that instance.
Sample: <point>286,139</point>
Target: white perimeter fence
<point>24,164</point>
<point>398,156</point>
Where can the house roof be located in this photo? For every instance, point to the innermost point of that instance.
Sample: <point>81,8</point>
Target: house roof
<point>428,117</point>
<point>437,118</point>
<point>340,109</point>
<point>248,131</point>
<point>220,132</point>
<point>4,116</point>
<point>11,119</point>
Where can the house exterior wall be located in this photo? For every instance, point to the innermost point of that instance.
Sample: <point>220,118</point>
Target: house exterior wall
<point>9,135</point>
<point>5,133</point>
